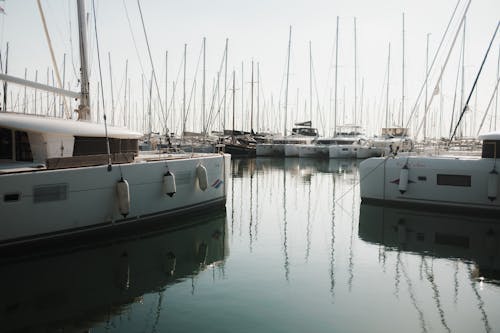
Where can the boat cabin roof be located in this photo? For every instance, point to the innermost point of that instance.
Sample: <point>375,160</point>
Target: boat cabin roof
<point>40,124</point>
<point>492,136</point>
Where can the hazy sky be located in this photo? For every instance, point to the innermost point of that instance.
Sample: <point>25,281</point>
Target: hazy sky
<point>258,30</point>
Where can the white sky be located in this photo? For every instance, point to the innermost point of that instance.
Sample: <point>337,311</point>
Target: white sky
<point>258,30</point>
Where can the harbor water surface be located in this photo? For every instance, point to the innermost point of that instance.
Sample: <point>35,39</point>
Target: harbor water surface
<point>294,251</point>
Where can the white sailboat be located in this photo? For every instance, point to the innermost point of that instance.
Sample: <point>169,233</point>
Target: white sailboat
<point>448,182</point>
<point>454,182</point>
<point>61,178</point>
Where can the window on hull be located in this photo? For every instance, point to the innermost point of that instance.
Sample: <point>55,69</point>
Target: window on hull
<point>454,180</point>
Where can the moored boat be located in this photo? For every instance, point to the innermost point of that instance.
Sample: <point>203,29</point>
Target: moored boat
<point>63,178</point>
<point>448,182</point>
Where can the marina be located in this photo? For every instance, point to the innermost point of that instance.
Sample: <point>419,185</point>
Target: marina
<point>341,179</point>
<point>302,257</point>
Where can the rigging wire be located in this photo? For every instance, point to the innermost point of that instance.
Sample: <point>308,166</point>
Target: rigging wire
<point>133,38</point>
<point>102,86</point>
<point>150,57</point>
<point>474,85</point>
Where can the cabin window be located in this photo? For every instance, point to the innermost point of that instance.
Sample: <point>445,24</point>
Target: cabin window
<point>97,146</point>
<point>23,149</point>
<point>5,144</point>
<point>422,178</point>
<point>53,192</point>
<point>454,180</point>
<point>491,149</point>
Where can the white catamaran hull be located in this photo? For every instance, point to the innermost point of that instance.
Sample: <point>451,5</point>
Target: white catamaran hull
<point>456,182</point>
<point>51,203</point>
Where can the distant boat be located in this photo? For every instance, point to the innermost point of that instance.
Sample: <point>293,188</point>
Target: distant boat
<point>280,146</point>
<point>61,178</point>
<point>349,138</point>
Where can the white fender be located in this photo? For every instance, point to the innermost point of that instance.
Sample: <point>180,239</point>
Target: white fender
<point>403,179</point>
<point>201,174</point>
<point>123,192</point>
<point>493,185</point>
<point>169,187</point>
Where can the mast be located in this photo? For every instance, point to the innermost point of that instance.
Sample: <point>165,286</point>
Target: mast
<point>112,94</point>
<point>336,76</point>
<point>258,95</point>
<point>251,102</point>
<point>403,79</point>
<point>234,103</point>
<point>203,88</point>
<point>5,82</point>
<point>242,98</point>
<point>184,96</point>
<point>355,74</point>
<point>496,97</point>
<point>310,83</point>
<point>387,91</point>
<point>83,109</point>
<point>166,94</point>
<point>225,86</point>
<point>287,75</point>
<point>125,95</point>
<point>426,79</point>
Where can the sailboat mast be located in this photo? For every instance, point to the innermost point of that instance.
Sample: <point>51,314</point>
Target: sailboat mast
<point>83,108</point>
<point>387,91</point>
<point>251,102</point>
<point>355,74</point>
<point>225,86</point>
<point>258,95</point>
<point>310,83</point>
<point>166,94</point>
<point>336,76</point>
<point>234,104</point>
<point>403,78</point>
<point>426,80</point>
<point>287,75</point>
<point>184,95</point>
<point>203,89</point>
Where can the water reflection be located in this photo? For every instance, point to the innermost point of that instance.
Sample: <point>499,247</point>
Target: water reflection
<point>87,287</point>
<point>468,238</point>
<point>299,194</point>
<point>470,243</point>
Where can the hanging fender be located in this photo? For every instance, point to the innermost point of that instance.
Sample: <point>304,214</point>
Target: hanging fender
<point>492,185</point>
<point>123,193</point>
<point>169,187</point>
<point>201,174</point>
<point>403,179</point>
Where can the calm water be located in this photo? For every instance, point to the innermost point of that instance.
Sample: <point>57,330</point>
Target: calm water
<point>294,252</point>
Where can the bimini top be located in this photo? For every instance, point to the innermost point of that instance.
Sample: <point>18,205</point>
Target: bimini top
<point>39,124</point>
<point>492,136</point>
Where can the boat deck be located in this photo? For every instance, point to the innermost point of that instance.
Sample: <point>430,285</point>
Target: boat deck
<point>9,167</point>
<point>15,167</point>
